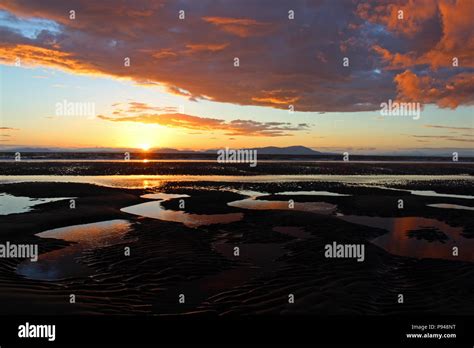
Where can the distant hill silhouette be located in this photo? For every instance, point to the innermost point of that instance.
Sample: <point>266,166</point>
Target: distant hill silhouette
<point>273,150</point>
<point>269,150</point>
<point>296,150</point>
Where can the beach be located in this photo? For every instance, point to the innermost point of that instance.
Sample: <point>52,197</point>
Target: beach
<point>136,246</point>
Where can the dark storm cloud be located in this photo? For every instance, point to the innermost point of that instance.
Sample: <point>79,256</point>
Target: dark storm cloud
<point>282,62</point>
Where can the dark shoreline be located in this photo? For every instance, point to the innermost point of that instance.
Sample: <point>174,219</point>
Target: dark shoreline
<point>214,168</point>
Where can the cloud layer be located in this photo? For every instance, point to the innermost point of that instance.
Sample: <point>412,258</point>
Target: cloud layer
<point>282,61</point>
<point>144,113</point>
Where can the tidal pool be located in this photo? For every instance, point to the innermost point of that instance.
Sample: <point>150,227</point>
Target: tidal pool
<point>450,206</point>
<point>10,204</point>
<point>259,204</point>
<point>403,237</point>
<point>63,263</point>
<point>155,210</point>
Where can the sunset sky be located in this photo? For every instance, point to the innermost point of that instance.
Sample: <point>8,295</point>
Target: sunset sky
<point>183,90</point>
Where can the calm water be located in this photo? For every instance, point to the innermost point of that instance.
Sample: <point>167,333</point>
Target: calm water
<point>10,204</point>
<point>63,263</point>
<point>260,204</point>
<point>428,193</point>
<point>398,241</point>
<point>450,206</point>
<point>147,181</point>
<point>436,194</point>
<point>154,210</point>
<point>311,193</point>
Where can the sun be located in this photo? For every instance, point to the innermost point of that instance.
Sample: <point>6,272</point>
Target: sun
<point>145,147</point>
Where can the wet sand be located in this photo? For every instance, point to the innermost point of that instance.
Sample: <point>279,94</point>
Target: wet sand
<point>281,253</point>
<point>210,168</point>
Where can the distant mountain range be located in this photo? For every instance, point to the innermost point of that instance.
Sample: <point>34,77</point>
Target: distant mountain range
<point>273,150</point>
<point>269,150</point>
<point>296,150</point>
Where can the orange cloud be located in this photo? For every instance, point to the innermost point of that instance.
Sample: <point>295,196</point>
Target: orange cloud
<point>458,90</point>
<point>242,27</point>
<point>134,107</point>
<point>164,53</point>
<point>28,55</point>
<point>194,58</point>
<point>192,48</point>
<point>457,36</point>
<point>396,60</point>
<point>180,120</point>
<point>414,14</point>
<point>278,97</point>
